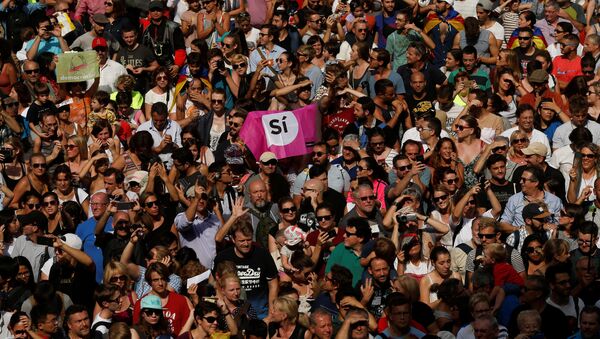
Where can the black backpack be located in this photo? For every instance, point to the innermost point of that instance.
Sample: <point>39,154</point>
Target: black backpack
<point>95,333</point>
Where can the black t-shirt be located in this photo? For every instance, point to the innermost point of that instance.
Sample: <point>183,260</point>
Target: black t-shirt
<point>255,271</point>
<point>502,192</point>
<point>141,56</point>
<point>337,200</point>
<point>553,322</point>
<point>419,106</point>
<point>35,112</point>
<point>524,59</point>
<point>69,280</point>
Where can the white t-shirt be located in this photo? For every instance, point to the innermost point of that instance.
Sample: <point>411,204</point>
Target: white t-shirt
<point>102,328</point>
<point>568,309</point>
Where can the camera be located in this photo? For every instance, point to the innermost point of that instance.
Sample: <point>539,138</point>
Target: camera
<point>404,218</point>
<point>50,28</point>
<point>221,65</point>
<point>7,154</point>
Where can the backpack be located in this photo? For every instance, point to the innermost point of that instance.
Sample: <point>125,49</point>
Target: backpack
<point>265,223</point>
<point>97,334</point>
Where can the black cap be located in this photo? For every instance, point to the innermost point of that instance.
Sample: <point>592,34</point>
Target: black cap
<point>35,218</point>
<point>156,5</point>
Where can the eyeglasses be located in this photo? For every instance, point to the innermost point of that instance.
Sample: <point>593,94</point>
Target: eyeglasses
<point>161,78</point>
<point>421,129</point>
<point>32,71</point>
<point>263,34</point>
<point>217,101</point>
<point>271,162</point>
<point>349,234</point>
<point>228,45</point>
<point>499,148</point>
<point>50,203</point>
<point>38,165</point>
<point>368,198</point>
<point>289,210</point>
<point>531,250</point>
<point>588,155</point>
<point>70,147</point>
<point>34,206</point>
<point>151,204</point>
<point>486,235</point>
<point>404,168</point>
<point>242,65</point>
<point>584,242</point>
<point>360,168</point>
<point>19,332</point>
<point>211,320</point>
<point>324,217</point>
<point>150,312</point>
<point>452,181</point>
<point>234,124</point>
<point>542,220</point>
<point>525,38</point>
<point>519,141</point>
<point>440,198</point>
<point>317,154</point>
<point>461,127</point>
<point>361,30</point>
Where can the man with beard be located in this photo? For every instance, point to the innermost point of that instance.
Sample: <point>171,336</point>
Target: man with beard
<point>359,32</point>
<point>490,124</point>
<point>77,322</point>
<point>486,21</point>
<point>221,177</point>
<point>312,196</point>
<point>337,178</point>
<point>235,121</point>
<point>331,196</point>
<point>113,244</point>
<point>165,39</point>
<point>376,286</point>
<point>405,33</point>
<point>348,254</point>
<point>255,267</point>
<point>470,63</point>
<point>364,120</point>
<point>525,117</point>
<point>526,51</point>
<point>567,65</point>
<point>98,22</point>
<point>578,108</point>
<point>185,168</point>
<point>380,65</point>
<point>588,67</point>
<point>288,37</point>
<point>392,110</point>
<point>539,81</point>
<point>263,213</point>
<point>536,221</point>
<point>558,276</point>
<point>165,132</point>
<point>138,59</point>
<point>198,225</point>
<point>587,239</point>
<point>301,17</point>
<point>339,278</point>
<point>502,188</point>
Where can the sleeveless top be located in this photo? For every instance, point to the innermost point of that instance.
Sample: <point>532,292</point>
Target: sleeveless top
<point>4,81</point>
<point>32,188</point>
<point>483,42</point>
<point>355,83</point>
<point>125,316</point>
<point>12,183</point>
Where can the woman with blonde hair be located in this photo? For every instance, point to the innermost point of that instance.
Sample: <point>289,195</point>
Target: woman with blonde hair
<point>237,79</point>
<point>116,273</point>
<point>284,320</point>
<point>229,292</point>
<point>583,174</point>
<point>305,55</point>
<point>76,151</point>
<point>554,251</point>
<point>518,141</point>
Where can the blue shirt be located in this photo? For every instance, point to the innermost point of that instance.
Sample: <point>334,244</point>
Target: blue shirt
<point>199,235</point>
<point>51,45</point>
<point>85,231</point>
<point>395,78</point>
<point>513,212</point>
<point>255,58</point>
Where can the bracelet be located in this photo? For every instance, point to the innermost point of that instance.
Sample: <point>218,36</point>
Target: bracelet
<point>425,221</point>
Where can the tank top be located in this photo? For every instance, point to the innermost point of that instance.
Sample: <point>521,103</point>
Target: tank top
<point>12,183</point>
<point>125,316</point>
<point>483,42</point>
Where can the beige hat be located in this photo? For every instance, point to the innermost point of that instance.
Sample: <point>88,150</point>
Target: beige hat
<point>536,148</point>
<point>266,156</point>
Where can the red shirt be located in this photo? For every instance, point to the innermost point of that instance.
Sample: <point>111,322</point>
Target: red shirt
<point>564,69</point>
<point>176,311</point>
<point>506,274</point>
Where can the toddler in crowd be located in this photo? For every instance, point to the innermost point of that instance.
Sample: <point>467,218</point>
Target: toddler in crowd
<point>494,258</point>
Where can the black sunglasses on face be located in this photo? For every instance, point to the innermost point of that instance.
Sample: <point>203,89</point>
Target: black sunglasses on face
<point>289,210</point>
<point>242,65</point>
<point>34,206</point>
<point>486,235</point>
<point>324,217</point>
<point>150,204</point>
<point>271,162</point>
<point>150,312</point>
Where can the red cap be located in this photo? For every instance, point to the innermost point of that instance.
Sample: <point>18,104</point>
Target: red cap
<point>99,42</point>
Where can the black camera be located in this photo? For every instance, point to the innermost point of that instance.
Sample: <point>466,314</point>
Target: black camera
<point>7,154</point>
<point>221,65</point>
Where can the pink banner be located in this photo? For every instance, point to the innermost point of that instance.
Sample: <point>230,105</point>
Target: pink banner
<point>285,133</point>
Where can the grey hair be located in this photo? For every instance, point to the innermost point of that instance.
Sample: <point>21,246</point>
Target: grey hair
<point>552,4</point>
<point>318,312</point>
<point>412,192</point>
<point>529,314</point>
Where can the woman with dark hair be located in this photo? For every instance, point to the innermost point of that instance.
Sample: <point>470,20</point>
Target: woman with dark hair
<point>12,229</point>
<point>212,23</point>
<point>571,216</point>
<point>23,282</point>
<point>453,59</point>
<point>47,71</point>
<point>445,156</point>
<point>46,294</point>
<point>449,312</point>
<point>73,210</point>
<point>318,45</point>
<point>428,286</point>
<point>13,169</point>
<point>527,20</point>
<point>532,254</point>
<point>159,222</point>
<point>64,189</point>
<point>505,86</point>
<point>583,175</point>
<point>549,118</point>
<point>482,39</point>
<point>414,264</point>
<point>134,117</point>
<point>369,168</point>
<point>115,11</point>
<point>210,318</point>
<point>137,157</point>
<point>162,91</point>
<point>188,20</point>
<point>359,63</point>
<point>577,86</point>
<point>296,95</point>
<point>288,212</point>
<point>469,146</point>
<point>152,323</point>
<point>57,225</point>
<point>102,139</point>
<point>8,71</point>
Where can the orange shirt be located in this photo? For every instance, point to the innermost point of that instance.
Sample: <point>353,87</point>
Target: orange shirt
<point>80,109</point>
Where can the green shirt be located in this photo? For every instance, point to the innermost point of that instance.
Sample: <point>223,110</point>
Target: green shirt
<point>397,44</point>
<point>345,257</point>
<point>481,78</point>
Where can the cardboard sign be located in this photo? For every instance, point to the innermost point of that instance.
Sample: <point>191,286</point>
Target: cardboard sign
<point>77,66</point>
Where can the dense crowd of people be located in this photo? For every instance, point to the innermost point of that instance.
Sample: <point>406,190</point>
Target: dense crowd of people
<point>452,191</point>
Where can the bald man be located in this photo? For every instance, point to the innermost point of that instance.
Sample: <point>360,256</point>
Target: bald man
<point>264,214</point>
<point>312,196</point>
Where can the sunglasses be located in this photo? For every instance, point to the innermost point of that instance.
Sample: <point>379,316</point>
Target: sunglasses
<point>522,140</point>
<point>531,250</point>
<point>38,165</point>
<point>228,45</point>
<point>317,154</point>
<point>486,235</point>
<point>452,181</point>
<point>108,4</point>
<point>71,147</point>
<point>280,61</point>
<point>32,71</point>
<point>242,65</point>
<point>234,124</point>
<point>211,320</point>
<point>471,202</point>
<point>588,156</point>
<point>368,198</point>
<point>12,104</point>
<point>116,278</point>
<point>50,203</point>
<point>34,206</point>
<point>204,196</point>
<point>289,210</point>
<point>304,89</point>
<point>349,234</point>
<point>441,197</point>
<point>153,312</point>
<point>525,38</point>
<point>360,168</point>
<point>499,148</point>
<point>151,204</point>
<point>461,127</point>
<point>217,101</point>
<point>404,168</point>
<point>271,162</point>
<point>161,78</point>
<point>324,217</point>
